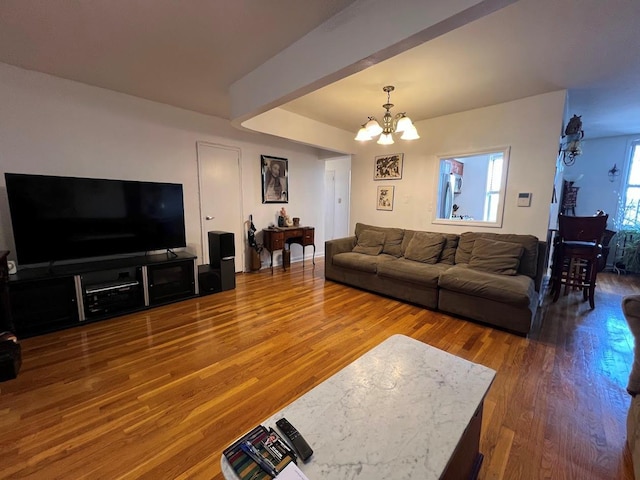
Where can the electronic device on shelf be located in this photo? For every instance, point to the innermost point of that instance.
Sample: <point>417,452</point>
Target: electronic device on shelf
<point>111,297</point>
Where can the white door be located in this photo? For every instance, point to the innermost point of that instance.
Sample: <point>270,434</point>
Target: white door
<point>220,196</point>
<point>337,182</point>
<point>329,203</point>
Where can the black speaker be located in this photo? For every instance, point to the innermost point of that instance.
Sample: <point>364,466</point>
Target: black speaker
<point>221,245</point>
<point>213,280</point>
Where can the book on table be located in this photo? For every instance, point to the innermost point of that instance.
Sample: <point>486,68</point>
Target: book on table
<point>266,443</point>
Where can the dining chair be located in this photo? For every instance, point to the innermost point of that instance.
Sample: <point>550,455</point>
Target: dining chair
<point>577,252</point>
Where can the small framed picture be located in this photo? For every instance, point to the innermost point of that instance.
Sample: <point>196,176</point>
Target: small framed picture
<point>388,167</point>
<point>385,198</point>
<point>275,179</point>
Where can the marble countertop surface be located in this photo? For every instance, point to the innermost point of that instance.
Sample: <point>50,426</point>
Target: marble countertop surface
<point>397,412</point>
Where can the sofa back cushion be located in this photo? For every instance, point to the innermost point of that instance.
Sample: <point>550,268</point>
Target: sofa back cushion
<point>495,256</point>
<point>425,247</point>
<point>450,246</point>
<point>369,242</point>
<point>528,262</point>
<point>392,237</point>
<point>448,254</point>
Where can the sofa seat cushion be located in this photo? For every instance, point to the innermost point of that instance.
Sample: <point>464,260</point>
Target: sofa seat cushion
<point>413,272</point>
<point>361,261</point>
<point>517,290</point>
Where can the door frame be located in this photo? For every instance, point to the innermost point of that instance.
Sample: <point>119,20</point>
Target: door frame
<point>203,233</point>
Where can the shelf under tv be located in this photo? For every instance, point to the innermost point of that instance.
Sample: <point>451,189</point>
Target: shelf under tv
<point>48,298</point>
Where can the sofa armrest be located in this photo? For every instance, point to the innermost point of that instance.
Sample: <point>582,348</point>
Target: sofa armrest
<point>631,311</point>
<point>338,245</point>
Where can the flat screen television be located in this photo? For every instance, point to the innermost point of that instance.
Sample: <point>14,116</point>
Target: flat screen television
<point>67,218</point>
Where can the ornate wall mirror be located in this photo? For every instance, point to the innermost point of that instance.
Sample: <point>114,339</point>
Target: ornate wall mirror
<point>471,188</point>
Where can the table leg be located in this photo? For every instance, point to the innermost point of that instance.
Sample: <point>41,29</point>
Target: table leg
<point>314,255</point>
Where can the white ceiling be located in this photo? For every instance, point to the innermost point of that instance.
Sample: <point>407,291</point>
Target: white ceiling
<point>188,53</point>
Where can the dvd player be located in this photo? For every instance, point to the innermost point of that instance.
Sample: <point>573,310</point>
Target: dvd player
<point>105,287</point>
<point>105,298</point>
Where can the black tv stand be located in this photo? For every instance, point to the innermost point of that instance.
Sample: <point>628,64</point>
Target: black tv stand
<point>45,299</point>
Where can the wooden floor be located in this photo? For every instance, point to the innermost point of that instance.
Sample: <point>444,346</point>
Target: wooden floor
<point>159,394</point>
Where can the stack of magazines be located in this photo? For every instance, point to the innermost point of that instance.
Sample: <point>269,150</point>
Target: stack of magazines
<point>261,454</point>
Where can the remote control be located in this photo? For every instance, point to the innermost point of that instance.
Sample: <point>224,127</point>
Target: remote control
<point>297,440</point>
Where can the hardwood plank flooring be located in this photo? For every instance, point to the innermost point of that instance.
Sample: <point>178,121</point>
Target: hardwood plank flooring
<point>159,394</point>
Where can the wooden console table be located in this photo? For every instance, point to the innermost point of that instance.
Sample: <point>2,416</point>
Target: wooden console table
<point>277,238</point>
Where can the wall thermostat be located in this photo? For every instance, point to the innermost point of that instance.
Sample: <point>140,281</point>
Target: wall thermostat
<point>524,199</point>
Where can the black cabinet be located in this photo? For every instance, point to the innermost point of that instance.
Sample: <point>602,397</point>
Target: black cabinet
<point>50,298</point>
<point>6,320</point>
<point>43,305</point>
<point>171,281</point>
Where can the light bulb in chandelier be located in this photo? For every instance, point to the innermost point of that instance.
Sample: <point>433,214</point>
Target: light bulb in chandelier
<point>385,139</point>
<point>373,127</point>
<point>410,133</point>
<point>404,123</point>
<point>400,123</point>
<point>363,135</point>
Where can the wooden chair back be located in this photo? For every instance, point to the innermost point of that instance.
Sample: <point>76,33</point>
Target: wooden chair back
<point>582,229</point>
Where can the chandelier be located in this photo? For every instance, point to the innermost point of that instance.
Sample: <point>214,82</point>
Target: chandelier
<point>570,147</point>
<point>399,123</point>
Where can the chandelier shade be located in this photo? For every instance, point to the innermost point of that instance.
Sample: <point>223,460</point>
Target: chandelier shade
<point>391,124</point>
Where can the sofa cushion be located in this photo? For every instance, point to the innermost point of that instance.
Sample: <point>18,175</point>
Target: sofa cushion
<point>361,262</point>
<point>496,256</point>
<point>392,237</point>
<point>448,254</point>
<point>425,247</point>
<point>528,262</point>
<point>369,242</point>
<point>517,290</point>
<point>413,272</point>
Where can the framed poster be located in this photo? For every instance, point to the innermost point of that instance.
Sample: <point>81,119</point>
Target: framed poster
<point>388,167</point>
<point>275,179</point>
<point>385,198</point>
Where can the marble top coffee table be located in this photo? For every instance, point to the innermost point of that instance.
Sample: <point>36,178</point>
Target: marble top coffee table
<point>404,410</point>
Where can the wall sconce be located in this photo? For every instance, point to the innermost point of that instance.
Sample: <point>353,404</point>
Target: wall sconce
<point>570,147</point>
<point>613,173</point>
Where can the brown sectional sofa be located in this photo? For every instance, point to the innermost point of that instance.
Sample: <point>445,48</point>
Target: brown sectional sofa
<point>490,277</point>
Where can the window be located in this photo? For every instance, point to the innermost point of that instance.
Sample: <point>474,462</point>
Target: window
<point>632,191</point>
<point>494,177</point>
<point>470,188</point>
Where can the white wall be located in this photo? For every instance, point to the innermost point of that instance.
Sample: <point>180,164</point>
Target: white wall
<point>52,126</point>
<point>596,191</point>
<point>530,126</point>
